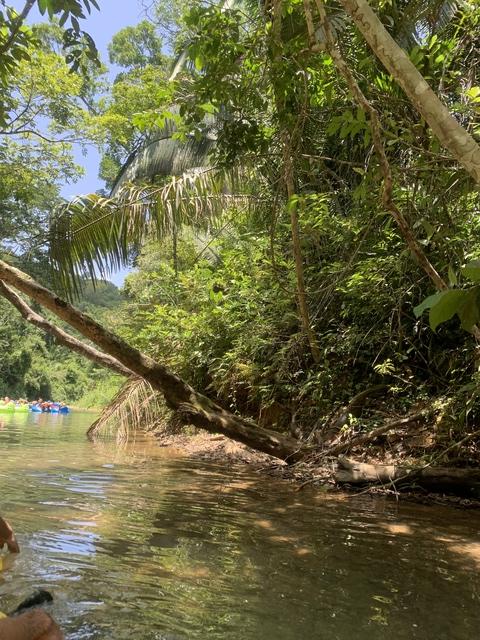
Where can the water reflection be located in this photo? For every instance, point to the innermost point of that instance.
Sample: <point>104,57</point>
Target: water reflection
<point>140,542</point>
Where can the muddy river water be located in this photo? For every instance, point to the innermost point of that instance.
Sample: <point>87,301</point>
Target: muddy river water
<point>140,542</point>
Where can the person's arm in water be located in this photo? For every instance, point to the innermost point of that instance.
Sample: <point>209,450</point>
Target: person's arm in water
<point>7,537</point>
<point>33,625</point>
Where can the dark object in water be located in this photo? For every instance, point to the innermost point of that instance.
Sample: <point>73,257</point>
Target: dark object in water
<point>39,597</point>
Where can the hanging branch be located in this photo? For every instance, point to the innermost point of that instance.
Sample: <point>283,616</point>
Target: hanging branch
<point>376,128</point>
<point>62,337</point>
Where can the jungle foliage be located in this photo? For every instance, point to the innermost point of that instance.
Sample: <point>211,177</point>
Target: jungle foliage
<point>249,198</point>
<point>34,366</point>
<point>220,304</point>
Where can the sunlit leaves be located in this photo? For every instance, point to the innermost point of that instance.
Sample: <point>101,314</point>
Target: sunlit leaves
<point>444,305</point>
<point>95,235</point>
<point>17,39</point>
<point>135,47</point>
<point>472,270</point>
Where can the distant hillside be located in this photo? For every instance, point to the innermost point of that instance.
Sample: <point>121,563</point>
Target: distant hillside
<point>105,294</point>
<point>33,365</point>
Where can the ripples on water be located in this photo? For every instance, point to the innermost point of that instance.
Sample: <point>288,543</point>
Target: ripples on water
<point>141,543</point>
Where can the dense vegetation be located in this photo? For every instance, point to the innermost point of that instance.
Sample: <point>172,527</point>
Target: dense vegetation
<point>285,208</point>
<point>34,366</point>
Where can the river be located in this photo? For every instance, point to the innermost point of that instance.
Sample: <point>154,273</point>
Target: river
<point>140,542</point>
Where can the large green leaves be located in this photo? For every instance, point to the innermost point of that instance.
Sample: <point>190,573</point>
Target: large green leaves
<point>445,304</point>
<point>461,302</point>
<point>472,270</point>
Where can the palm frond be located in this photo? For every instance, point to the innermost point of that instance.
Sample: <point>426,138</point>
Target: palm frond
<point>93,236</point>
<point>163,154</point>
<point>414,20</point>
<point>137,406</point>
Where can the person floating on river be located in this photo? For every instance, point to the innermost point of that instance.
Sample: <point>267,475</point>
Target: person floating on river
<point>7,537</point>
<point>34,624</point>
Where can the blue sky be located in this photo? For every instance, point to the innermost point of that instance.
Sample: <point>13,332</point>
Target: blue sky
<point>101,25</point>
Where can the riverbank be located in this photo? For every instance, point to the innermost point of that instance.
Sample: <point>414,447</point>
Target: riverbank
<point>320,474</point>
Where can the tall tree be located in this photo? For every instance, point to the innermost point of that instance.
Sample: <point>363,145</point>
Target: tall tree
<point>451,134</point>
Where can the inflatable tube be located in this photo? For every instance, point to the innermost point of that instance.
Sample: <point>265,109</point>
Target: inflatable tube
<point>21,408</point>
<point>36,409</point>
<point>7,408</point>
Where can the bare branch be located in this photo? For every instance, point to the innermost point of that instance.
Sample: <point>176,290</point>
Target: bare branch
<point>61,336</point>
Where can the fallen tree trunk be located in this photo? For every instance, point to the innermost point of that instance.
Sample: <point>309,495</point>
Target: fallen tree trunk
<point>193,407</point>
<point>62,337</point>
<point>449,479</point>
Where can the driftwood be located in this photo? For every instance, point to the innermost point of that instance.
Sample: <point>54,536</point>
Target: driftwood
<point>366,438</point>
<point>449,479</point>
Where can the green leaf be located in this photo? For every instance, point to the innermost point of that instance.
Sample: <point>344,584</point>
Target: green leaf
<point>427,303</point>
<point>468,312</point>
<point>429,228</point>
<point>447,305</point>
<point>452,276</point>
<point>472,270</point>
<point>42,6</point>
<point>208,107</point>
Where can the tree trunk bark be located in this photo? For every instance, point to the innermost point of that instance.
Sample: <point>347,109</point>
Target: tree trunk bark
<point>297,254</point>
<point>62,337</point>
<point>464,481</point>
<point>450,133</point>
<point>193,407</point>
<point>376,127</point>
<point>289,183</point>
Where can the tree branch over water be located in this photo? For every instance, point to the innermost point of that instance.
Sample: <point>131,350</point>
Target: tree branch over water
<point>62,337</point>
<point>191,406</point>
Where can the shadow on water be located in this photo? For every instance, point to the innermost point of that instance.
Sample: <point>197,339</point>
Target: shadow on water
<point>140,542</point>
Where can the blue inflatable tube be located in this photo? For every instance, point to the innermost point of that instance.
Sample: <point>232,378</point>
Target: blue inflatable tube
<point>55,409</point>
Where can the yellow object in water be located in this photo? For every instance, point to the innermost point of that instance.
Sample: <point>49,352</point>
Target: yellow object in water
<point>3,615</point>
